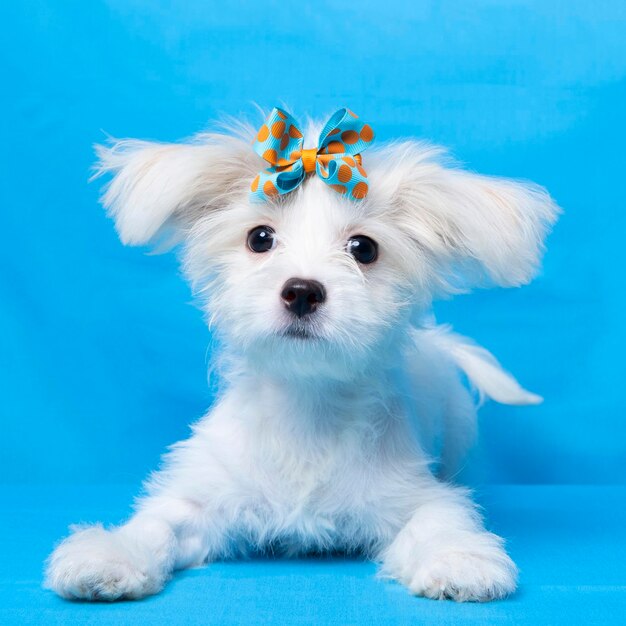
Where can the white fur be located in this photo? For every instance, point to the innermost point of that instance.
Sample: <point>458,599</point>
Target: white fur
<point>327,442</point>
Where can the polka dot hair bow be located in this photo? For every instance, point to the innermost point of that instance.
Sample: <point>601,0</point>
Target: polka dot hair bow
<point>336,160</point>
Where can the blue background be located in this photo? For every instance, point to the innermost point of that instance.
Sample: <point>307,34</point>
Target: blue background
<point>103,354</point>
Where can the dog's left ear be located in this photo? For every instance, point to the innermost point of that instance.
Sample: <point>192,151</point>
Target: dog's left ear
<point>158,187</point>
<point>480,229</point>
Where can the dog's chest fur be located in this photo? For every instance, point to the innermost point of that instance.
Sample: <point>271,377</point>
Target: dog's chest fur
<point>317,468</point>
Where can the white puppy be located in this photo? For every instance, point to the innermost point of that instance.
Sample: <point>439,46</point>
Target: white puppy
<point>338,391</point>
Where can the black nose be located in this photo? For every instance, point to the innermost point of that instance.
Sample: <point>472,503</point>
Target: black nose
<point>302,296</point>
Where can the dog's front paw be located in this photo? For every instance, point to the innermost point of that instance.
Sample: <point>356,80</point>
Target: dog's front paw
<point>96,564</point>
<point>464,576</point>
<point>477,571</point>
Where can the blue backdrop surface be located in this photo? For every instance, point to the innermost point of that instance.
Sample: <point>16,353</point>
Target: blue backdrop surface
<point>103,354</point>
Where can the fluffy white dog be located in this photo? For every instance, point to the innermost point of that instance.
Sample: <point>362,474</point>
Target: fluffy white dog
<point>339,391</point>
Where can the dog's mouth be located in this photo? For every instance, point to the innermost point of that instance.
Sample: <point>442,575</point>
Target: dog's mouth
<point>299,331</point>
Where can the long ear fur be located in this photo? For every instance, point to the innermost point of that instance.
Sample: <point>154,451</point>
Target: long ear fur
<point>490,229</point>
<point>157,185</point>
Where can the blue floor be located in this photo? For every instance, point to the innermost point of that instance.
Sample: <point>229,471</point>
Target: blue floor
<point>569,542</point>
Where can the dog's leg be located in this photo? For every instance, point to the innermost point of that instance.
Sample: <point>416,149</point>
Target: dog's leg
<point>136,559</point>
<point>445,552</point>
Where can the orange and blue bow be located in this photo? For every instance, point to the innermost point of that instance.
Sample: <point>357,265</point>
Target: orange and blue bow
<point>336,160</point>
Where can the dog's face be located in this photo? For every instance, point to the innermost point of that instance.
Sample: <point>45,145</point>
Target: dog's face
<point>314,283</point>
<point>315,279</point>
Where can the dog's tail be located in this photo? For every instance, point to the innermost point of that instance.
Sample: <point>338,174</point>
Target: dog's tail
<point>482,369</point>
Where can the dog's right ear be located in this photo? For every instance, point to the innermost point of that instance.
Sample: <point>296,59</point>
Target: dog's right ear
<point>476,230</point>
<point>159,186</point>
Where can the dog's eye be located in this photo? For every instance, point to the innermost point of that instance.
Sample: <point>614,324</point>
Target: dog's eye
<point>261,239</point>
<point>363,249</point>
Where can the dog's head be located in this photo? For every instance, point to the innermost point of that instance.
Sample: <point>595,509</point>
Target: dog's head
<point>313,282</point>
